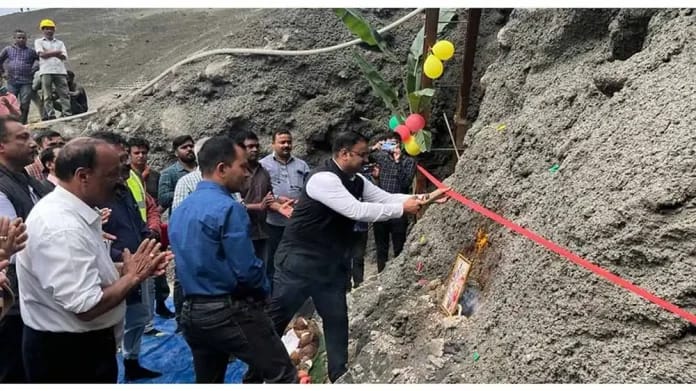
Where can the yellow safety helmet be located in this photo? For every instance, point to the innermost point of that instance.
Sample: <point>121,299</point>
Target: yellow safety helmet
<point>46,23</point>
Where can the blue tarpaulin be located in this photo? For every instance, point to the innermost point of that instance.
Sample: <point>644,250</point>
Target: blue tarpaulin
<point>170,355</point>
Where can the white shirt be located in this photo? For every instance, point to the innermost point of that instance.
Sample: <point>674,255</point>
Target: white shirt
<point>376,204</point>
<point>51,65</point>
<point>64,266</point>
<point>187,185</point>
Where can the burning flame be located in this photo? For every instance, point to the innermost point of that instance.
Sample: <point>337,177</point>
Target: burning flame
<point>481,241</point>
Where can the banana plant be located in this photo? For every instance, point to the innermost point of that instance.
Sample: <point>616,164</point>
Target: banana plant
<point>416,99</point>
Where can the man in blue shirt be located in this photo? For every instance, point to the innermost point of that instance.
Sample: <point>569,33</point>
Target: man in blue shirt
<point>224,284</point>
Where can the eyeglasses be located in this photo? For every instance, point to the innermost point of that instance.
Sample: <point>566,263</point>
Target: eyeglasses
<point>361,154</point>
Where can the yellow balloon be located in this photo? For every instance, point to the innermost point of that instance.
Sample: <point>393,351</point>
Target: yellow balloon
<point>444,50</point>
<point>433,67</point>
<point>411,147</point>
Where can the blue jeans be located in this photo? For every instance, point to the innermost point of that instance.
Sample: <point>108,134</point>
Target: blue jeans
<point>215,327</point>
<point>137,316</point>
<point>24,93</point>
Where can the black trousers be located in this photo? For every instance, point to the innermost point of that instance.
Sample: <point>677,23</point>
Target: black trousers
<point>291,291</point>
<point>260,249</point>
<point>358,260</point>
<point>11,329</point>
<point>395,228</point>
<point>88,357</point>
<point>215,327</point>
<point>178,300</point>
<point>11,364</point>
<point>161,288</point>
<point>275,233</point>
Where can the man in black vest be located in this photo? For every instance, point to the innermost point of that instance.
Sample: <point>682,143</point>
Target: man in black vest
<point>18,194</point>
<point>313,258</point>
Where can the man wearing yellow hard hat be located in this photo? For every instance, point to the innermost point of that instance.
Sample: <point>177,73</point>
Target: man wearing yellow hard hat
<point>52,56</point>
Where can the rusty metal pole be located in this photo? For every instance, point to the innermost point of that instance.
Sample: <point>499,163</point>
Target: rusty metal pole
<point>432,16</point>
<point>460,120</point>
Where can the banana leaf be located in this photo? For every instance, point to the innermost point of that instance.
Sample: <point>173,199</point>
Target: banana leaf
<point>414,70</point>
<point>419,101</point>
<point>360,27</point>
<point>424,139</point>
<point>380,87</point>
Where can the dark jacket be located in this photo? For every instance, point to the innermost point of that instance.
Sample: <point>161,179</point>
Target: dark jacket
<point>317,241</point>
<point>129,228</point>
<point>152,183</point>
<point>16,187</point>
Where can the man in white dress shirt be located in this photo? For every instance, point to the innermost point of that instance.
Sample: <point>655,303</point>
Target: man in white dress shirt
<point>314,255</point>
<point>71,293</point>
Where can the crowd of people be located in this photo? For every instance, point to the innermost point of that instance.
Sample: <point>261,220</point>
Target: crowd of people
<point>39,74</point>
<point>84,246</point>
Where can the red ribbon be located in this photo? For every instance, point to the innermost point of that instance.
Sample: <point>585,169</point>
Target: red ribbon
<point>607,275</point>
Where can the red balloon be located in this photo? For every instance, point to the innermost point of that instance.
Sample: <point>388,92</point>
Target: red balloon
<point>403,131</point>
<point>415,122</point>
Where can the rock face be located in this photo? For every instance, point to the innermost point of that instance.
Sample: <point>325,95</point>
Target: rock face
<point>607,95</point>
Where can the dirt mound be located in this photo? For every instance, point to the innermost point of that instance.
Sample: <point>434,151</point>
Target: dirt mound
<point>114,50</point>
<point>607,96</point>
<point>313,96</point>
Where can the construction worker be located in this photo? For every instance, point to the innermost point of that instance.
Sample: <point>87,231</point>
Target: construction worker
<point>52,55</point>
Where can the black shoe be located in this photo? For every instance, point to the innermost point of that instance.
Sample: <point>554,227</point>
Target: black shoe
<point>133,371</point>
<point>163,311</point>
<point>152,332</point>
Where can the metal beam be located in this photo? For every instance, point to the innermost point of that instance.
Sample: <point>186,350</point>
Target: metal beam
<point>432,16</point>
<point>460,117</point>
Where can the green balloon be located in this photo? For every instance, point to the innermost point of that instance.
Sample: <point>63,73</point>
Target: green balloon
<point>393,122</point>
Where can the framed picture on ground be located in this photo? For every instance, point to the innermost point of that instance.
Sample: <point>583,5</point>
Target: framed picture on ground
<point>454,286</point>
